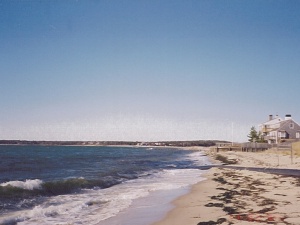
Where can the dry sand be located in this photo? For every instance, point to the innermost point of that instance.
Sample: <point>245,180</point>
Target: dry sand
<point>230,196</point>
<point>270,158</point>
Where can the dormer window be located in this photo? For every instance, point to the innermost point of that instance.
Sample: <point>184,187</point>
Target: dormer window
<point>291,125</point>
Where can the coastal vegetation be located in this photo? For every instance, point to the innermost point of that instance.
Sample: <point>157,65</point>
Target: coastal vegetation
<point>255,136</point>
<point>225,159</point>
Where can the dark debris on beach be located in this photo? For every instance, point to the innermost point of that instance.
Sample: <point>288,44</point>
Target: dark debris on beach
<point>219,221</point>
<point>231,199</point>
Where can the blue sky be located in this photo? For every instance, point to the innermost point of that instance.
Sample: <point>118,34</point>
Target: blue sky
<point>146,70</point>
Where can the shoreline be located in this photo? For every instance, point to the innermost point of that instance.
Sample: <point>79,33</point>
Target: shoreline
<point>230,196</point>
<point>190,143</point>
<point>185,207</point>
<point>191,148</point>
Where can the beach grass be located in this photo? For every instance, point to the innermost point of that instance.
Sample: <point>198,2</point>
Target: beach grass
<point>296,152</point>
<point>296,148</point>
<point>225,159</point>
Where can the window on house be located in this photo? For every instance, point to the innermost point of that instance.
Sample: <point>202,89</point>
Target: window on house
<point>291,125</point>
<point>298,135</point>
<point>281,134</point>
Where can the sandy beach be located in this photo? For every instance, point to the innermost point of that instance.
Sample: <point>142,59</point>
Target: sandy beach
<point>230,196</point>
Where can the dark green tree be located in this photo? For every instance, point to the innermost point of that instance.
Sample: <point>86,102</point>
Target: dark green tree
<point>253,135</point>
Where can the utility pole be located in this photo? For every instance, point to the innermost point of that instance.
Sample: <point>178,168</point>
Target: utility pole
<point>292,154</point>
<point>231,133</point>
<point>277,153</point>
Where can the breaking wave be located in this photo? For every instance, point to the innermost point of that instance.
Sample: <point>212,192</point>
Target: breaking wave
<point>91,206</point>
<point>31,188</point>
<point>27,184</point>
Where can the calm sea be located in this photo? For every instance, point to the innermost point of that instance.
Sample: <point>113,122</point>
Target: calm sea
<point>87,185</point>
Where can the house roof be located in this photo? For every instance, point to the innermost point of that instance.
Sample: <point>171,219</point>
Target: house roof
<point>283,123</point>
<point>273,121</point>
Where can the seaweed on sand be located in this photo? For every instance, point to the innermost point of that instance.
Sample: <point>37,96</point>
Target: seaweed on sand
<point>219,221</point>
<point>214,204</point>
<point>230,210</point>
<point>267,201</point>
<point>220,180</point>
<point>266,210</point>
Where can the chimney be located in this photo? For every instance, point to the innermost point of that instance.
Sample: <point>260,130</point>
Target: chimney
<point>270,117</point>
<point>288,117</point>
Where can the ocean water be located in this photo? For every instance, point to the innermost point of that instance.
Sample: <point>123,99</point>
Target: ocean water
<point>91,185</point>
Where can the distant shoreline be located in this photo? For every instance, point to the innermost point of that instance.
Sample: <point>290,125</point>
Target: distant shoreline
<point>200,143</point>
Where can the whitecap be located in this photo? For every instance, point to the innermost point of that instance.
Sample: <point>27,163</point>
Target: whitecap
<point>27,184</point>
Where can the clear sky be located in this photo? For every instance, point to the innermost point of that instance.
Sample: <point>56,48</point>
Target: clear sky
<point>146,70</point>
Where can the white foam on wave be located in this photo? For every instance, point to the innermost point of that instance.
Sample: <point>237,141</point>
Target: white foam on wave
<point>165,187</point>
<point>27,184</point>
<point>199,158</point>
<point>99,206</point>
